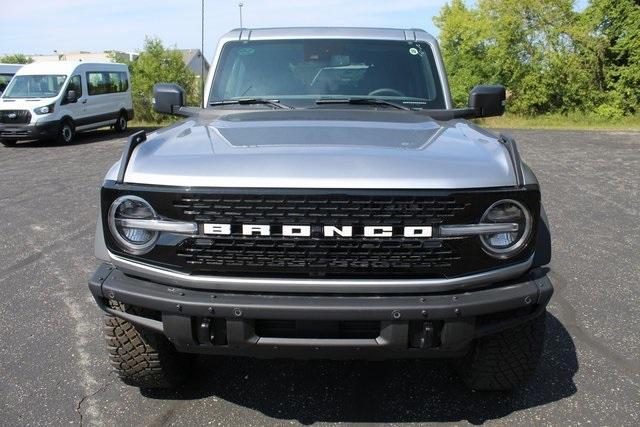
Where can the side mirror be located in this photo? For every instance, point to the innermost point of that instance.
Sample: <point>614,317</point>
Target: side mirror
<point>488,101</point>
<point>168,98</point>
<point>72,97</point>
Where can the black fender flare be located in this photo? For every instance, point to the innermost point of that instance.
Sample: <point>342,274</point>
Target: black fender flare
<point>542,254</point>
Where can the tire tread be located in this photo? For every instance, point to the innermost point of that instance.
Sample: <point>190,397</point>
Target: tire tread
<point>142,358</point>
<point>504,360</point>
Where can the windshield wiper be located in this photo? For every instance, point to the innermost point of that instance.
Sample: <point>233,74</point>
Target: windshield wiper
<point>362,101</point>
<point>252,101</point>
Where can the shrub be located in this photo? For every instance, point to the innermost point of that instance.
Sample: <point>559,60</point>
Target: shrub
<point>157,64</point>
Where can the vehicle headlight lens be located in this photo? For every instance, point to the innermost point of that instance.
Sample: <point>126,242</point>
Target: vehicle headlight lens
<point>44,110</point>
<point>507,244</point>
<point>136,241</point>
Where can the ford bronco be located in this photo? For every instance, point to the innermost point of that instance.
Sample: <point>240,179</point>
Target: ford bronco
<point>326,201</point>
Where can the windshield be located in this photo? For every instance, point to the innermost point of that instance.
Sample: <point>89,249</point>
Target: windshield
<point>303,71</point>
<point>40,86</point>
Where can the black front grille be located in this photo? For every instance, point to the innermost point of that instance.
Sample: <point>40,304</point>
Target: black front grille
<point>319,256</point>
<point>15,116</point>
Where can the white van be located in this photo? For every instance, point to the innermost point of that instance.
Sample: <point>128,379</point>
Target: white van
<point>6,72</point>
<point>54,100</point>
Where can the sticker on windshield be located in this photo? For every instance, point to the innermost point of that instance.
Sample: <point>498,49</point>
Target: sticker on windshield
<point>246,51</point>
<point>413,51</point>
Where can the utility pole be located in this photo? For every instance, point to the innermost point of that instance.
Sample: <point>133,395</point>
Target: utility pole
<point>202,56</point>
<point>240,4</point>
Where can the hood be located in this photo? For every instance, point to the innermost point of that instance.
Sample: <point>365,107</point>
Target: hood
<point>24,103</point>
<point>321,149</point>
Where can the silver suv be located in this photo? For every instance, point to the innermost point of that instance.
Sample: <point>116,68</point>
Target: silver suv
<point>326,201</point>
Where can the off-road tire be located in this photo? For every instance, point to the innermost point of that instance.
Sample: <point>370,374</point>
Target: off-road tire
<point>504,360</point>
<point>121,123</point>
<point>66,132</point>
<point>142,358</point>
<point>7,142</point>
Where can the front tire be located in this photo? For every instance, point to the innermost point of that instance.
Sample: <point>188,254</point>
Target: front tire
<point>7,142</point>
<point>504,360</point>
<point>66,133</point>
<point>142,358</point>
<point>121,123</point>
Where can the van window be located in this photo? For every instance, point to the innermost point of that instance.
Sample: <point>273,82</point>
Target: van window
<point>75,84</point>
<point>119,82</point>
<point>96,83</point>
<point>100,83</point>
<point>4,81</point>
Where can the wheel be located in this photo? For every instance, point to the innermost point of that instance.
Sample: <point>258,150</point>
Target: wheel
<point>142,358</point>
<point>7,142</point>
<point>66,133</point>
<point>504,360</point>
<point>121,123</point>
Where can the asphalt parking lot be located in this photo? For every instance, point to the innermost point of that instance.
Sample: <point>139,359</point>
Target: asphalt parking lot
<point>53,362</point>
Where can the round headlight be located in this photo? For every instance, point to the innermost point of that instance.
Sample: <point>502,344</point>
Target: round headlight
<point>136,241</point>
<point>506,244</point>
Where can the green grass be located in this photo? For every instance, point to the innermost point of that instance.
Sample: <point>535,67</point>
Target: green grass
<point>573,121</point>
<point>135,123</point>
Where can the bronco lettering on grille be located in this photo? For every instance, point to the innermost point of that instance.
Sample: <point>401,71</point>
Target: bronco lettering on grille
<point>325,231</point>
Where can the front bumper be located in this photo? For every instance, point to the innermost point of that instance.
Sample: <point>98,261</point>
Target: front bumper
<point>28,131</point>
<point>430,325</point>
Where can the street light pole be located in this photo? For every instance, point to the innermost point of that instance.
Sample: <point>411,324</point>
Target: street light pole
<point>240,4</point>
<point>202,56</point>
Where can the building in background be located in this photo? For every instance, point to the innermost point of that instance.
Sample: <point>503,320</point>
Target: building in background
<point>106,56</point>
<point>192,58</point>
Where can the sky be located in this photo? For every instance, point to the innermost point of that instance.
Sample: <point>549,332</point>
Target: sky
<point>42,26</point>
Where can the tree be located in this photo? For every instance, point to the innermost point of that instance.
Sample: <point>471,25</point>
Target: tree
<point>16,58</point>
<point>156,64</point>
<point>464,41</point>
<point>614,27</point>
<point>533,47</point>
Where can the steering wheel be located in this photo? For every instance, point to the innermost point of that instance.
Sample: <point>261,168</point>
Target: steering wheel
<point>386,91</point>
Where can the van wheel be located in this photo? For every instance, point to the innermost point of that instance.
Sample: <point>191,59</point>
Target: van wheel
<point>7,142</point>
<point>66,133</point>
<point>121,123</point>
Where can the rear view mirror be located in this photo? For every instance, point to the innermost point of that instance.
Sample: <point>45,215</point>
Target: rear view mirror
<point>168,98</point>
<point>488,101</point>
<point>72,97</point>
